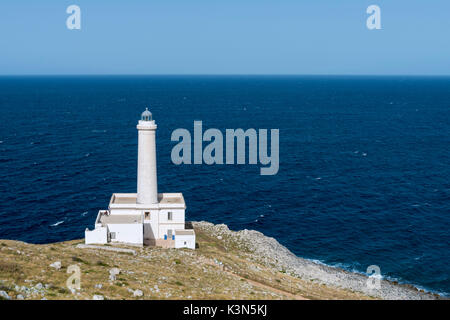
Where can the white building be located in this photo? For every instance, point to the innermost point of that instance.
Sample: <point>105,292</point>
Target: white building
<point>146,217</point>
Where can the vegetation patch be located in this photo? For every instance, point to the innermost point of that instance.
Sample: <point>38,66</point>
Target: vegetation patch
<point>9,267</point>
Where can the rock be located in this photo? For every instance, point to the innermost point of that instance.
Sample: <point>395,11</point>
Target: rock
<point>98,297</point>
<point>98,286</point>
<point>4,295</point>
<point>113,273</point>
<point>219,237</point>
<point>138,293</point>
<point>56,265</point>
<point>72,290</point>
<point>39,286</point>
<point>19,297</point>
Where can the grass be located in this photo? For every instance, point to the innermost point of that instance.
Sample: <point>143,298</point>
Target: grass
<point>101,264</point>
<point>63,290</point>
<point>9,267</point>
<point>5,288</point>
<point>196,273</point>
<point>77,259</point>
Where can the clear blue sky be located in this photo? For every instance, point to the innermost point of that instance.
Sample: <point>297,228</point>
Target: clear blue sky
<point>225,37</point>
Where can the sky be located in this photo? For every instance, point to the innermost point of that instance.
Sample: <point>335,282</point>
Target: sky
<point>225,37</point>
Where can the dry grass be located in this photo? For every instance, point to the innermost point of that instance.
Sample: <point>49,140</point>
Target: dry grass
<point>218,269</point>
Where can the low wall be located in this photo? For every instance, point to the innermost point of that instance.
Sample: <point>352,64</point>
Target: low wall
<point>96,236</point>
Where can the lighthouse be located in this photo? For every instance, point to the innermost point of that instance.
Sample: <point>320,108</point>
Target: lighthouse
<point>147,184</point>
<point>145,217</point>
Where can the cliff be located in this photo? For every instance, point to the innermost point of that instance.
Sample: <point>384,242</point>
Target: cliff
<point>226,265</point>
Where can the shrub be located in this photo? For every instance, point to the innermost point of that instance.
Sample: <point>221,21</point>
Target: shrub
<point>76,259</point>
<point>9,267</point>
<point>101,264</point>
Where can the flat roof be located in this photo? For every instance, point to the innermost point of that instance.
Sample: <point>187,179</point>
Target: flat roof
<point>184,232</point>
<point>121,219</point>
<point>163,199</point>
<point>124,200</point>
<point>169,198</point>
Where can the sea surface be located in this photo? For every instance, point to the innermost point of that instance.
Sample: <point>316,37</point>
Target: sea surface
<point>364,175</point>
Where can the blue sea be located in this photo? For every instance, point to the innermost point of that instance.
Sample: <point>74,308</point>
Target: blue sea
<point>364,175</point>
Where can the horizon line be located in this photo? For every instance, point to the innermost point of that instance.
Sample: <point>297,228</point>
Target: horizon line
<point>220,75</point>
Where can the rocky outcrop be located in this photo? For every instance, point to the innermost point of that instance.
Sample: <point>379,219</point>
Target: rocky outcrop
<point>271,253</point>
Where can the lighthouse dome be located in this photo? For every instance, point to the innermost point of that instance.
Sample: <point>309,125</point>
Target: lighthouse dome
<point>146,115</point>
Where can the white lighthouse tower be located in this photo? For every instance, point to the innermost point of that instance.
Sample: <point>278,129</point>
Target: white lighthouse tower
<point>147,184</point>
<point>145,217</point>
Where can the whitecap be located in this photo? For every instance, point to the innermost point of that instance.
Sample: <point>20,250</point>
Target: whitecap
<point>56,224</point>
<point>84,213</point>
<point>364,154</point>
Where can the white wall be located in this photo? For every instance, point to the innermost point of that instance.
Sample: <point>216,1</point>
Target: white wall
<point>127,233</point>
<point>181,239</point>
<point>151,230</point>
<point>177,216</point>
<point>177,222</point>
<point>96,236</point>
<point>172,226</point>
<point>129,211</point>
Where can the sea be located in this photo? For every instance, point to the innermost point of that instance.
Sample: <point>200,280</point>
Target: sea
<point>364,162</point>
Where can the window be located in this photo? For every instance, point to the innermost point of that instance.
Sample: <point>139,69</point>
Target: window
<point>185,243</point>
<point>112,235</point>
<point>147,216</point>
<point>169,215</point>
